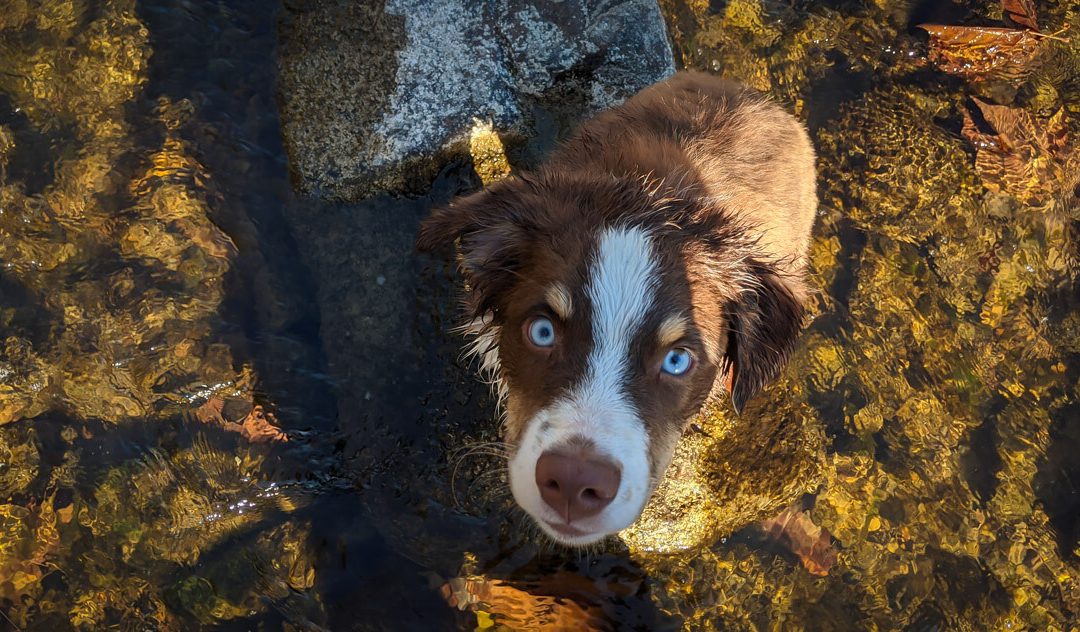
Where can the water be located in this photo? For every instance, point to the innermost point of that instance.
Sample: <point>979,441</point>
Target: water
<point>225,407</point>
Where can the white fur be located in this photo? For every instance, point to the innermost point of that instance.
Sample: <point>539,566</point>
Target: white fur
<point>621,287</point>
<point>484,345</point>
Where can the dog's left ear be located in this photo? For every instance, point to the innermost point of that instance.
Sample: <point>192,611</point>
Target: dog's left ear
<point>763,326</point>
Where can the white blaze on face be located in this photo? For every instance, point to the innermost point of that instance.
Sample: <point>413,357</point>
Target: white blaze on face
<point>621,287</point>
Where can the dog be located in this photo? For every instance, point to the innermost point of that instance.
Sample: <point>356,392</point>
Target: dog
<point>655,261</point>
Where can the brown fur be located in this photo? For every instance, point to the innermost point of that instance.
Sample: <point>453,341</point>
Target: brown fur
<point>693,137</point>
<point>724,182</point>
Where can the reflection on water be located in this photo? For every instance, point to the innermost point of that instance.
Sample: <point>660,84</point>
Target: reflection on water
<point>170,453</point>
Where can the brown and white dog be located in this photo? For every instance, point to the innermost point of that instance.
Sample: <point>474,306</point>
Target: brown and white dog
<point>655,261</point>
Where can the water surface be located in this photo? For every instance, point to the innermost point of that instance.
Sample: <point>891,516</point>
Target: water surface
<point>213,416</point>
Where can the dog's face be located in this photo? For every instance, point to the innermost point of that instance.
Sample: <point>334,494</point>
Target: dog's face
<point>608,314</point>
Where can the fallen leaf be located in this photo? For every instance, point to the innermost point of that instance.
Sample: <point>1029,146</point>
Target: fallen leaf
<point>257,428</point>
<point>561,601</point>
<point>1021,12</point>
<point>65,513</point>
<point>812,544</point>
<point>981,52</point>
<point>1017,154</point>
<point>210,411</point>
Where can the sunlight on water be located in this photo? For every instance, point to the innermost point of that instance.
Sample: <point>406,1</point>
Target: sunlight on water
<point>170,456</point>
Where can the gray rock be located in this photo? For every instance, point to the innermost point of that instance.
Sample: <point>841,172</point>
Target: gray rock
<point>372,92</point>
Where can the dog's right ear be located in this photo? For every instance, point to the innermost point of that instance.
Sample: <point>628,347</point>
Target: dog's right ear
<point>492,240</point>
<point>447,224</point>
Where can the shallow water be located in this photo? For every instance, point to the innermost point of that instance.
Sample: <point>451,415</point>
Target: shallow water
<point>226,407</point>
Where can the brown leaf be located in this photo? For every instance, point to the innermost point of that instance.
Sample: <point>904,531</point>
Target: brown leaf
<point>562,601</point>
<point>65,513</point>
<point>1017,154</point>
<point>210,411</point>
<point>1021,12</point>
<point>256,425</point>
<point>813,544</point>
<point>257,428</point>
<point>981,52</point>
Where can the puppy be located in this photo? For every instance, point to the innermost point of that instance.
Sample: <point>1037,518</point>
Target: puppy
<point>655,261</point>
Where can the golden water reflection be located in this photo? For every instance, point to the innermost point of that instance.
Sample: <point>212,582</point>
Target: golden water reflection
<point>927,422</point>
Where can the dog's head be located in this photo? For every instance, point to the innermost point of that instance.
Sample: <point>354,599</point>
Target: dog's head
<point>609,311</point>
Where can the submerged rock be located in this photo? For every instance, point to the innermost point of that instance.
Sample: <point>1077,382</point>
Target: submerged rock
<point>371,92</point>
<point>731,471</point>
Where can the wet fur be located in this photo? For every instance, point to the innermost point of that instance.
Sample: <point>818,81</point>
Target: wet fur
<point>722,182</point>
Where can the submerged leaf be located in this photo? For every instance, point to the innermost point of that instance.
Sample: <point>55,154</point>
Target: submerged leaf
<point>981,52</point>
<point>813,544</point>
<point>561,601</point>
<point>1019,155</point>
<point>256,424</point>
<point>257,427</point>
<point>1021,12</point>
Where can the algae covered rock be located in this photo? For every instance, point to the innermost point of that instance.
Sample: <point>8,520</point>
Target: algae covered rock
<point>730,472</point>
<point>112,343</point>
<point>371,92</point>
<point>23,378</point>
<point>897,171</point>
<point>19,460</point>
<point>791,50</point>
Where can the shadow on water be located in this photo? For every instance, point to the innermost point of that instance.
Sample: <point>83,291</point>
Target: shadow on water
<point>391,421</point>
<point>221,57</point>
<point>374,515</point>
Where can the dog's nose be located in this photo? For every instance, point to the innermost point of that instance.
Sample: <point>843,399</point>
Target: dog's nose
<point>576,484</point>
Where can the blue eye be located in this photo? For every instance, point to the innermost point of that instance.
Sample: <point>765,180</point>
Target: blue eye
<point>541,332</point>
<point>677,362</point>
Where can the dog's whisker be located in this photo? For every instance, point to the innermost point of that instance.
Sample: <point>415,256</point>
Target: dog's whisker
<point>492,451</point>
<point>500,445</point>
<point>483,479</point>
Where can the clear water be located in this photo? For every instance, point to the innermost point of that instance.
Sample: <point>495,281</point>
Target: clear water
<point>159,280</point>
